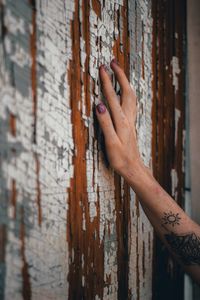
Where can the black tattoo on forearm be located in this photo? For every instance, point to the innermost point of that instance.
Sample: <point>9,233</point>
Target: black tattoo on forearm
<point>186,247</point>
<point>171,219</point>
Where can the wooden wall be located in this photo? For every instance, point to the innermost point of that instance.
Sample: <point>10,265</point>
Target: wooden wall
<point>70,228</point>
<point>168,115</point>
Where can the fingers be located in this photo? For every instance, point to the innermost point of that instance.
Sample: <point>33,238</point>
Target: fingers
<point>111,97</point>
<point>129,106</point>
<point>120,75</point>
<point>106,124</point>
<point>127,92</point>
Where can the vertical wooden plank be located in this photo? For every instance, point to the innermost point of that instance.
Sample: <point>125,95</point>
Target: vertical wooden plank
<point>168,118</point>
<point>140,26</point>
<point>14,82</point>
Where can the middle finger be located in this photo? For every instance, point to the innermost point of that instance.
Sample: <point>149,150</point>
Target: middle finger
<point>118,115</point>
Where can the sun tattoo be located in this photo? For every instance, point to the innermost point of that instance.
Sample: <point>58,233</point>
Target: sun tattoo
<point>171,219</point>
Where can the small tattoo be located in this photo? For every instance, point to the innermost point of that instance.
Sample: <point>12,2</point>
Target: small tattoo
<point>187,247</point>
<point>171,219</point>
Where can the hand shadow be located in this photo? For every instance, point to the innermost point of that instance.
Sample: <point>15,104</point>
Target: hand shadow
<point>100,138</point>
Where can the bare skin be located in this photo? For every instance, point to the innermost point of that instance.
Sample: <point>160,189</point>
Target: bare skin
<point>178,232</point>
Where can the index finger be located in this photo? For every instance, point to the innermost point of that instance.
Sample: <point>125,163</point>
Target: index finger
<point>115,107</point>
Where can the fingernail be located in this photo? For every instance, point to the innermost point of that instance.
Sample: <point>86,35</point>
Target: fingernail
<point>104,67</point>
<point>101,108</point>
<point>115,61</point>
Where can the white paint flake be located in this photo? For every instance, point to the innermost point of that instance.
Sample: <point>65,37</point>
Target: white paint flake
<point>175,72</point>
<point>177,118</point>
<point>174,183</point>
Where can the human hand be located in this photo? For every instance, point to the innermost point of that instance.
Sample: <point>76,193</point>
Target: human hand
<point>118,125</point>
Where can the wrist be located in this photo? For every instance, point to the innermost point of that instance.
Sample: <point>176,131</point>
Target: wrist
<point>142,181</point>
<point>135,171</point>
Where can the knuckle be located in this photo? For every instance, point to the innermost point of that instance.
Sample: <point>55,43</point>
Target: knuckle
<point>121,71</point>
<point>117,164</point>
<point>130,95</point>
<point>112,94</point>
<point>109,91</point>
<point>105,123</point>
<point>111,142</point>
<point>129,90</point>
<point>124,121</point>
<point>104,84</point>
<point>132,92</point>
<point>105,81</point>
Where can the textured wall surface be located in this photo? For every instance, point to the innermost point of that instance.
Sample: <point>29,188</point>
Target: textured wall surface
<point>168,118</point>
<point>70,228</point>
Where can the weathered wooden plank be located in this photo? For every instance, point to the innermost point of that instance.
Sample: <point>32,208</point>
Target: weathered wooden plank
<point>70,227</point>
<point>169,128</point>
<point>140,26</point>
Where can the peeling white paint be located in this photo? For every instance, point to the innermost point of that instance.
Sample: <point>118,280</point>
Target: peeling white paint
<point>13,23</point>
<point>141,230</point>
<point>174,183</point>
<point>46,248</point>
<point>175,72</point>
<point>177,118</point>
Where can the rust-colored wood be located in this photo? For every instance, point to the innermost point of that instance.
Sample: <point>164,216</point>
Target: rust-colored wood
<point>168,42</point>
<point>33,50</point>
<point>86,254</point>
<point>13,124</point>
<point>60,46</point>
<point>96,5</point>
<point>2,243</point>
<point>86,36</point>
<point>122,54</point>
<point>14,196</point>
<point>26,286</point>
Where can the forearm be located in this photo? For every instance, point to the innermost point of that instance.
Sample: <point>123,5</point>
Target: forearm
<point>179,233</point>
<point>175,228</point>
